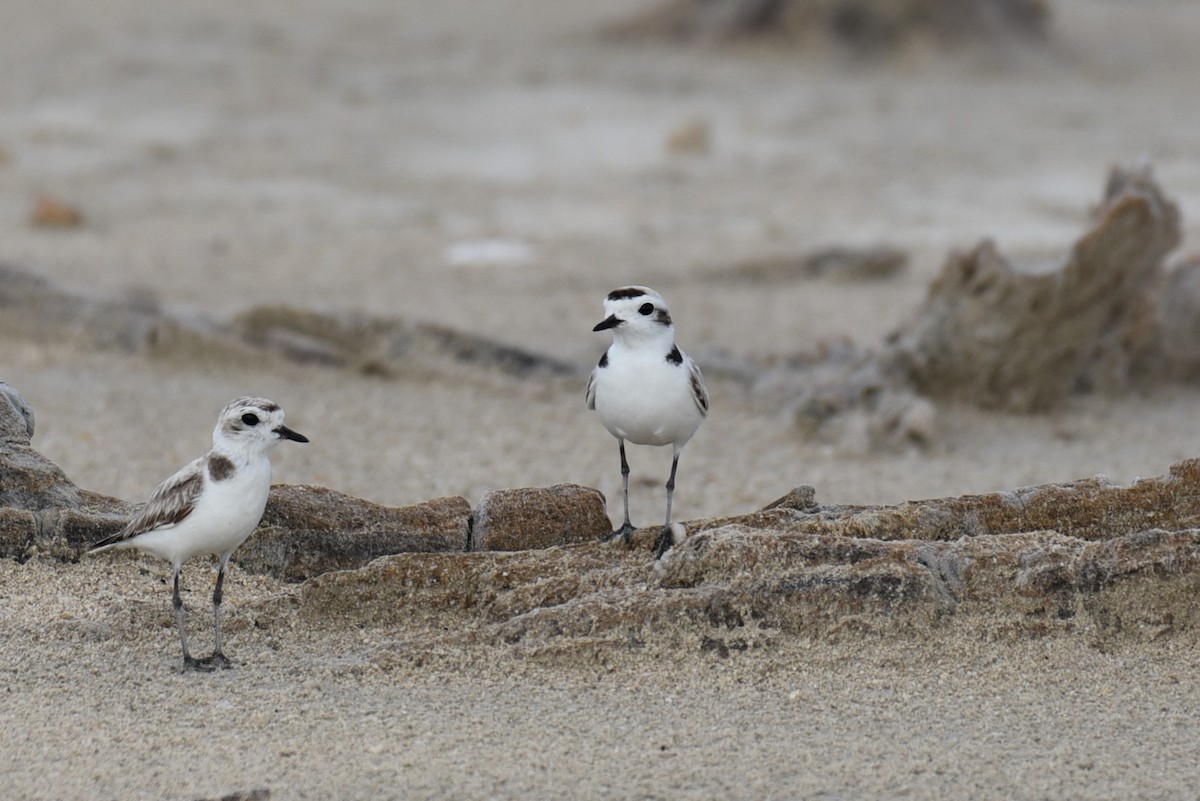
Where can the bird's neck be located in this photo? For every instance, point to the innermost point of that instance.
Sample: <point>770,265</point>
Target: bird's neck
<point>662,340</point>
<point>238,454</point>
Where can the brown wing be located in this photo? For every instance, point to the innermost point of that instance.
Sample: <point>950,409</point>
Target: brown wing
<point>171,502</point>
<point>699,391</point>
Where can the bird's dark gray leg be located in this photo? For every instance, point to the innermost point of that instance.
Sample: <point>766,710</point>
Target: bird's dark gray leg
<point>626,528</point>
<point>218,659</point>
<point>665,540</point>
<point>189,662</point>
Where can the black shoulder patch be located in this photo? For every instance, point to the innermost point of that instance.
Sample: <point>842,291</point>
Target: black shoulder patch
<point>603,360</point>
<point>626,292</point>
<point>675,357</point>
<point>219,468</point>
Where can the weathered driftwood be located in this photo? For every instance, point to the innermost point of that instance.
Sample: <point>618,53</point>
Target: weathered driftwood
<point>1021,337</point>
<point>863,25</point>
<point>1176,353</point>
<point>863,405</point>
<point>844,264</point>
<point>383,346</point>
<point>38,309</point>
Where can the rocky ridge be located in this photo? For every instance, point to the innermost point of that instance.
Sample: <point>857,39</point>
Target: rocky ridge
<point>1087,557</point>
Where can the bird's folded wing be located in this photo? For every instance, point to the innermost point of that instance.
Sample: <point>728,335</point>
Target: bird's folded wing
<point>591,391</point>
<point>699,391</point>
<point>171,503</point>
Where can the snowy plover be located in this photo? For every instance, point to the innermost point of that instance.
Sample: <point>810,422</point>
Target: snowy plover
<point>645,389</point>
<point>210,506</point>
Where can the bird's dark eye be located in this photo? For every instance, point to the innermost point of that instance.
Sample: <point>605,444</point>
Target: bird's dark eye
<point>646,309</point>
<point>250,419</point>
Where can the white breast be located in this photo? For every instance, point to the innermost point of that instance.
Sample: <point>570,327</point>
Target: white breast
<point>226,513</point>
<point>646,399</point>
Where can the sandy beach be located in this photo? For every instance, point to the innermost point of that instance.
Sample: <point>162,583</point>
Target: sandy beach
<point>95,708</point>
<point>497,169</point>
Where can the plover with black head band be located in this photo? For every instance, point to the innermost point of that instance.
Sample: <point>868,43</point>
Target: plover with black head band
<point>645,389</point>
<point>210,506</point>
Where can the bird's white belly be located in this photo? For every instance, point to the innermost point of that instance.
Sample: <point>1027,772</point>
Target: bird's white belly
<point>647,404</point>
<point>225,515</point>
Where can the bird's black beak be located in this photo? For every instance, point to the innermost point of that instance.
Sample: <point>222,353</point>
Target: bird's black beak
<point>609,322</point>
<point>286,433</point>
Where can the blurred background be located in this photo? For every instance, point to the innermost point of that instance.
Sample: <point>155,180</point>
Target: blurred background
<point>497,167</point>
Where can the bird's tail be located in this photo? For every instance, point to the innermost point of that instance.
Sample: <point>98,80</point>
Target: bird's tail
<point>111,541</point>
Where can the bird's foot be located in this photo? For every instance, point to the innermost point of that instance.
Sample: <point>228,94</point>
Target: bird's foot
<point>625,532</point>
<point>217,660</point>
<point>199,665</point>
<point>663,542</point>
